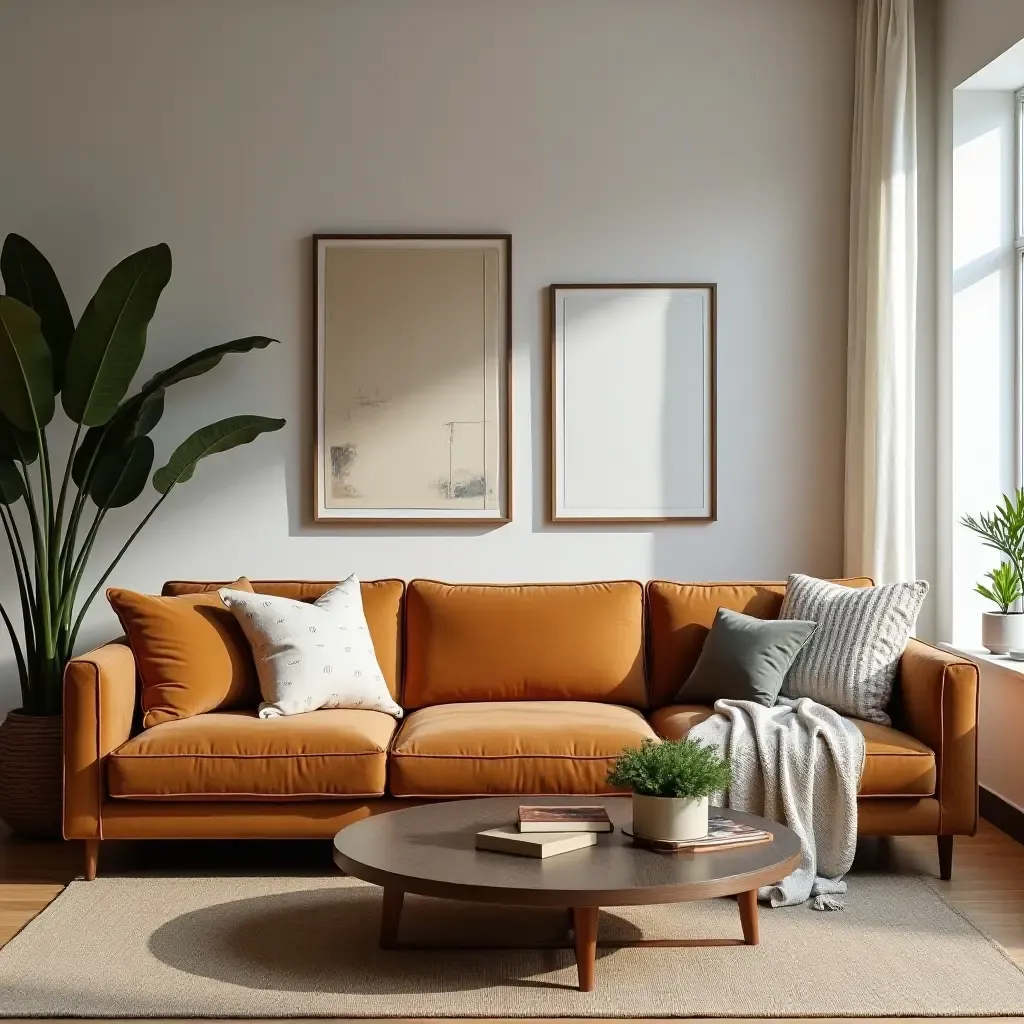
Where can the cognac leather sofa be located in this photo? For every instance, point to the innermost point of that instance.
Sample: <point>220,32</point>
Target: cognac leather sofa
<point>528,689</point>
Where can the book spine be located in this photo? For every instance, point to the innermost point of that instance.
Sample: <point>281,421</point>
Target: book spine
<point>565,826</point>
<point>710,848</point>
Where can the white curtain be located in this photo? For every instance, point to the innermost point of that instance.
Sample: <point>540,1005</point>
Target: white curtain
<point>883,297</point>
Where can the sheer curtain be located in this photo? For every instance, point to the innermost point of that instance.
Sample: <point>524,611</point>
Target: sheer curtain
<point>879,533</point>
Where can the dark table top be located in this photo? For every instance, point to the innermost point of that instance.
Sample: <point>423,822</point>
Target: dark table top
<point>429,849</point>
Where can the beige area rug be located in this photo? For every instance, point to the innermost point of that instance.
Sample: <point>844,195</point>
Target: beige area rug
<point>307,947</point>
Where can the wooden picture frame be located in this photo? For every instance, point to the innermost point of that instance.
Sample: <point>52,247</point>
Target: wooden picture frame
<point>413,390</point>
<point>632,405</point>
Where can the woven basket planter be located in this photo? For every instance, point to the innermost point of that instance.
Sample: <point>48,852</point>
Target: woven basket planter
<point>31,774</point>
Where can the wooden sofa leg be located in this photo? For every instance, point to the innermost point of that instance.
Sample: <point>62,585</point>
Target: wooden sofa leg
<point>92,858</point>
<point>945,857</point>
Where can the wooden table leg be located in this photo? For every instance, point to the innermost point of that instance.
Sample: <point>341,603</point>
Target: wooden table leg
<point>748,915</point>
<point>584,924</point>
<point>390,914</point>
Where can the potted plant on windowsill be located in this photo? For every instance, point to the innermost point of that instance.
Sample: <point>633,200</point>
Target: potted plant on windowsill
<point>1002,631</point>
<point>1003,530</point>
<point>671,782</point>
<point>52,509</point>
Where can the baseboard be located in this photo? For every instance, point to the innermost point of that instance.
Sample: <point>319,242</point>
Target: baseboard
<point>1003,815</point>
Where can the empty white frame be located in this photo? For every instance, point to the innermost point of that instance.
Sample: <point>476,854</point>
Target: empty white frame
<point>413,339</point>
<point>632,402</point>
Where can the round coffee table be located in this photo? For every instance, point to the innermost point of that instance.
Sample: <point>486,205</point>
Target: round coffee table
<point>429,850</point>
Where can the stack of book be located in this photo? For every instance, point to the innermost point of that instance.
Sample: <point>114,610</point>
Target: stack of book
<point>723,834</point>
<point>547,830</point>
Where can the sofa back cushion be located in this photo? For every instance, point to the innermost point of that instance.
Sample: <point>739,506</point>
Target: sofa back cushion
<point>382,606</point>
<point>681,615</point>
<point>560,641</point>
<point>192,656</point>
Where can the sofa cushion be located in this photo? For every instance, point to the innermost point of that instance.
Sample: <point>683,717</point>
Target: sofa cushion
<point>527,747</point>
<point>238,756</point>
<point>191,653</point>
<point>681,615</point>
<point>851,661</point>
<point>312,656</point>
<point>514,643</point>
<point>743,658</point>
<point>382,606</point>
<point>895,764</point>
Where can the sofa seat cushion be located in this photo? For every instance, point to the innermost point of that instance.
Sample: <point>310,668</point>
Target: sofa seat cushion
<point>895,764</point>
<point>513,747</point>
<point>328,754</point>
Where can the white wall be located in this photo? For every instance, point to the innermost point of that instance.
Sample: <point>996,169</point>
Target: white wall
<point>615,140</point>
<point>1000,712</point>
<point>972,33</point>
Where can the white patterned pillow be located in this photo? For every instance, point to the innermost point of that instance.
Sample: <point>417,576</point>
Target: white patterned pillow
<point>849,663</point>
<point>311,656</point>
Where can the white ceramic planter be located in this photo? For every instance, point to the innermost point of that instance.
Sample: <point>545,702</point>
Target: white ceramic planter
<point>1002,633</point>
<point>668,817</point>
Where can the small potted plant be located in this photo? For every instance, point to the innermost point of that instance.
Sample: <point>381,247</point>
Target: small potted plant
<point>671,782</point>
<point>1002,632</point>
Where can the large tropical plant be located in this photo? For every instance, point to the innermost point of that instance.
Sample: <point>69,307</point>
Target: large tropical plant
<point>90,365</point>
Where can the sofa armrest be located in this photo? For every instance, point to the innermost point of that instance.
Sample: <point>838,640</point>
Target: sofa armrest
<point>938,693</point>
<point>99,706</point>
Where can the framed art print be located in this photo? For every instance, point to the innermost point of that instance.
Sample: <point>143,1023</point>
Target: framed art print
<point>413,342</point>
<point>632,402</point>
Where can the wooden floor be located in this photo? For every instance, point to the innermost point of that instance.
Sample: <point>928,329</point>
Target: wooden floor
<point>987,885</point>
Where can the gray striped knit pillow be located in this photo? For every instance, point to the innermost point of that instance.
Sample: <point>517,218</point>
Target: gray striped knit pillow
<point>849,663</point>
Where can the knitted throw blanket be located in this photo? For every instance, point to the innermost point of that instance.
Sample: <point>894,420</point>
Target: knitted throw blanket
<point>798,763</point>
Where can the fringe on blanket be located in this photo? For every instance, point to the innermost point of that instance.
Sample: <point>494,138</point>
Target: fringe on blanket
<point>826,901</point>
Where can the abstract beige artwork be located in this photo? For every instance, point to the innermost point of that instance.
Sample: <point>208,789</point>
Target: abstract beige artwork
<point>412,378</point>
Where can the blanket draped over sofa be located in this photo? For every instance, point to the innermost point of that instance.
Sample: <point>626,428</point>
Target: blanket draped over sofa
<point>798,763</point>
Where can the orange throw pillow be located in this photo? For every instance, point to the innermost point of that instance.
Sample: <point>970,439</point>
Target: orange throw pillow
<point>192,654</point>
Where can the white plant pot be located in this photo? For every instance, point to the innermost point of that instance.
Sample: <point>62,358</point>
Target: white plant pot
<point>669,817</point>
<point>1002,633</point>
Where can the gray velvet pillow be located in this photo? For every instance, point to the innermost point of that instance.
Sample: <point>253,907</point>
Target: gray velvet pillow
<point>744,658</point>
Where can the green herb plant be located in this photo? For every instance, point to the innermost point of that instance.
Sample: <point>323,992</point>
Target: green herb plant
<point>1005,590</point>
<point>1003,530</point>
<point>52,513</point>
<point>675,768</point>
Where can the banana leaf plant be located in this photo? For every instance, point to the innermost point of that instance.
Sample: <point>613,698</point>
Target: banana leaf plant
<point>90,366</point>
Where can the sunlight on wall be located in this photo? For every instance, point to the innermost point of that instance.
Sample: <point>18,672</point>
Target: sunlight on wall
<point>978,197</point>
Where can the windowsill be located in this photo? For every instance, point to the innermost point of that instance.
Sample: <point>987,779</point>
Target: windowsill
<point>1003,661</point>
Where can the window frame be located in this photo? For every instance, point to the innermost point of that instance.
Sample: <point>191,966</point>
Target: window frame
<point>1018,215</point>
<point>1019,176</point>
